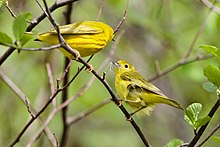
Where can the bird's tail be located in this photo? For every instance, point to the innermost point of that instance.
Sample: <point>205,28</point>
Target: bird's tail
<point>165,100</point>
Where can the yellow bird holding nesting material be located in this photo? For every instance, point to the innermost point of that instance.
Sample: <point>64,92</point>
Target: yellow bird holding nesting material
<point>137,92</point>
<point>87,37</point>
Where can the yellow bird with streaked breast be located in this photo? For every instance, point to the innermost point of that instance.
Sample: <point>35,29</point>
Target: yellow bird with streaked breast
<point>137,92</point>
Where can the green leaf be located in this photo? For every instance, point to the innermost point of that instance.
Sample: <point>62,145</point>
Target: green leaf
<point>19,26</point>
<point>5,39</point>
<point>174,143</point>
<point>26,38</point>
<point>211,49</point>
<point>201,122</point>
<point>213,74</point>
<point>209,87</point>
<point>191,113</point>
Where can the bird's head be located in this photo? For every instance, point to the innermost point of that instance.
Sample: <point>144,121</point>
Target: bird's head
<point>123,66</point>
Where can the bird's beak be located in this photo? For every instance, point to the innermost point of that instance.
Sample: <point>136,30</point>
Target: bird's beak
<point>115,63</point>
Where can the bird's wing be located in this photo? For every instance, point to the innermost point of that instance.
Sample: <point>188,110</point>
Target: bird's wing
<point>78,28</point>
<point>139,83</point>
<point>139,87</point>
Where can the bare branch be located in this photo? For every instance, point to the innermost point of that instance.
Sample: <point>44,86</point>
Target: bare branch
<point>123,19</point>
<point>9,9</point>
<point>68,62</point>
<point>100,9</point>
<point>66,70</point>
<point>57,143</point>
<point>74,119</point>
<point>179,64</point>
<point>13,87</point>
<point>50,77</point>
<point>34,49</point>
<point>53,47</point>
<point>28,107</point>
<point>51,83</point>
<point>211,5</point>
<point>210,135</point>
<point>77,73</point>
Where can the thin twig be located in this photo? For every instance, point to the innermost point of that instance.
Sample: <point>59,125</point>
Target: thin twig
<point>9,9</point>
<point>157,67</point>
<point>13,87</point>
<point>100,10</point>
<point>53,47</point>
<point>123,19</point>
<point>28,107</point>
<point>68,12</point>
<point>78,72</point>
<point>74,119</point>
<point>51,83</point>
<point>210,135</point>
<point>57,143</point>
<point>65,72</point>
<point>50,77</point>
<point>179,64</point>
<point>64,111</point>
<point>34,49</point>
<point>211,5</point>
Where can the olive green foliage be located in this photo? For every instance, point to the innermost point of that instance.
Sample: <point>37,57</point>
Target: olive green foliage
<point>157,35</point>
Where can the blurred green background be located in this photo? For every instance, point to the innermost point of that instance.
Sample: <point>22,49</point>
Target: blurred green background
<point>155,31</point>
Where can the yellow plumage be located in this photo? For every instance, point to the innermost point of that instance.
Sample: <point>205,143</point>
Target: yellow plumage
<point>87,37</point>
<point>139,94</point>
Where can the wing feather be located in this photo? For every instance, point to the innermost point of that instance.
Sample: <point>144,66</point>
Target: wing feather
<point>138,82</point>
<point>78,28</point>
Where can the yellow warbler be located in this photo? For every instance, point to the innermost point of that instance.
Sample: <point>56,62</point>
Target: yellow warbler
<point>87,37</point>
<point>139,94</point>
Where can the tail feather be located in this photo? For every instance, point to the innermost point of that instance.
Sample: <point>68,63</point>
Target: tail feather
<point>161,99</point>
<point>165,100</point>
<point>174,103</point>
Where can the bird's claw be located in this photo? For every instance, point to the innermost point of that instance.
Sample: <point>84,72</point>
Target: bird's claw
<point>90,68</point>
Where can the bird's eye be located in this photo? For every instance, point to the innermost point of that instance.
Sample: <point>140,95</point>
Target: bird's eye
<point>126,66</point>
